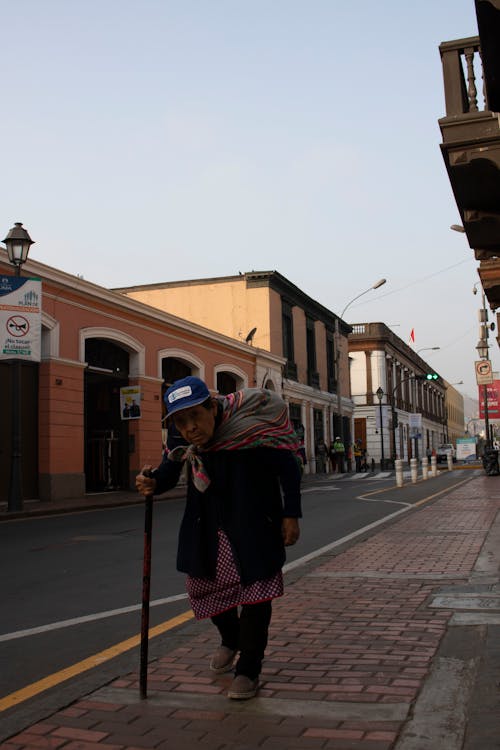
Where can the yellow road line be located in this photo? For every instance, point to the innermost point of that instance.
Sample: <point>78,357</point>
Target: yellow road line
<point>92,661</point>
<point>441,492</point>
<point>419,502</point>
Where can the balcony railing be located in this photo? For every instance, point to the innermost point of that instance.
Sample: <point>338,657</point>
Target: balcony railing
<point>463,76</point>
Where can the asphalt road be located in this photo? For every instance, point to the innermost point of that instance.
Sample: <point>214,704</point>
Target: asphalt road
<point>81,567</point>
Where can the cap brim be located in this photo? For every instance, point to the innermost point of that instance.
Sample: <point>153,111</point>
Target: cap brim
<point>180,406</point>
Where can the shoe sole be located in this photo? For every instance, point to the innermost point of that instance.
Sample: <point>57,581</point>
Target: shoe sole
<point>222,670</point>
<point>242,696</point>
<point>225,667</point>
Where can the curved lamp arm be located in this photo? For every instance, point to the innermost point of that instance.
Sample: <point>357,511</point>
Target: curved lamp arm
<point>380,282</point>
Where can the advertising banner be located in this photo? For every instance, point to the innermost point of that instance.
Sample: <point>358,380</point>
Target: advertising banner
<point>466,449</point>
<point>20,318</point>
<point>415,425</point>
<point>493,397</point>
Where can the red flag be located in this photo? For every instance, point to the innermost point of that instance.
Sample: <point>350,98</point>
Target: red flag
<point>412,335</point>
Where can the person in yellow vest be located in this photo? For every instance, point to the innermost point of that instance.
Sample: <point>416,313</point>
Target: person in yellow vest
<point>357,455</point>
<point>338,452</point>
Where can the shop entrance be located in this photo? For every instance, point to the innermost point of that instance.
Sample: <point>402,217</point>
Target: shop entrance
<point>29,428</point>
<point>106,435</point>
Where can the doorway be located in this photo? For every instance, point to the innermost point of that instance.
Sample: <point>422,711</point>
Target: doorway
<point>29,428</point>
<point>106,434</point>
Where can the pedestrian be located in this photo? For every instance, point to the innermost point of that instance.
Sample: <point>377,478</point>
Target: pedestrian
<point>333,458</point>
<point>348,454</point>
<point>357,455</point>
<point>339,451</point>
<point>321,456</point>
<point>242,510</point>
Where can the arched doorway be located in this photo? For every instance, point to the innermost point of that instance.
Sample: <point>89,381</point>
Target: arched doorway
<point>226,383</point>
<point>106,434</point>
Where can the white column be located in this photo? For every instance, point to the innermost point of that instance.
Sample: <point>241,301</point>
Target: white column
<point>312,452</point>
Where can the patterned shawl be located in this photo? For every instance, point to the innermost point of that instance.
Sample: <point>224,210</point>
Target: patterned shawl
<point>251,418</point>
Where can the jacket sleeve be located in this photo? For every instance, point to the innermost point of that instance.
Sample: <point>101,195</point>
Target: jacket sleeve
<point>290,478</point>
<point>168,472</point>
<point>166,475</point>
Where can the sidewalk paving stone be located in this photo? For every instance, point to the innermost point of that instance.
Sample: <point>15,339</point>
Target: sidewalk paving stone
<point>353,646</point>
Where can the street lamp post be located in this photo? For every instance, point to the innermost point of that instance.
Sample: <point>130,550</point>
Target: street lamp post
<point>377,284</point>
<point>18,243</point>
<point>380,396</point>
<point>483,352</point>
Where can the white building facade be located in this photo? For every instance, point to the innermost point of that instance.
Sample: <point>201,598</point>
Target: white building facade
<point>397,412</point>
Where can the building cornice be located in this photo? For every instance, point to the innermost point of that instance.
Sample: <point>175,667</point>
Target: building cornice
<point>88,290</point>
<point>253,279</point>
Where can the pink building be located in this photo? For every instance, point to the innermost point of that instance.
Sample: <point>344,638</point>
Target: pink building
<point>94,344</point>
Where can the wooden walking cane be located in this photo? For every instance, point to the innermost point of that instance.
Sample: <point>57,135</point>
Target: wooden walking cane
<point>146,584</point>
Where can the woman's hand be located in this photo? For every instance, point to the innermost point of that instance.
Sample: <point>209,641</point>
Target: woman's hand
<point>290,530</point>
<point>145,484</point>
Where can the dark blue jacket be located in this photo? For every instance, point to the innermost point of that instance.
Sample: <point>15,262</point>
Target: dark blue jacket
<point>250,492</point>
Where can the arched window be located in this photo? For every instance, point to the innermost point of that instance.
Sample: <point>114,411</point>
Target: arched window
<point>230,378</point>
<point>226,383</point>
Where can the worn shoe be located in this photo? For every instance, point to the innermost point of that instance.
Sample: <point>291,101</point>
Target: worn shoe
<point>222,660</point>
<point>242,688</point>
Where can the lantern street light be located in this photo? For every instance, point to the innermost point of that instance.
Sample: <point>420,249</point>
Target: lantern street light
<point>18,243</point>
<point>380,396</point>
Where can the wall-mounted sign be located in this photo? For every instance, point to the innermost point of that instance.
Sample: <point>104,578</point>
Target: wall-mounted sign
<point>20,318</point>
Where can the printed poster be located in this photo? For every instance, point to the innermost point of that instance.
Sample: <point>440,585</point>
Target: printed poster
<point>20,318</point>
<point>130,402</point>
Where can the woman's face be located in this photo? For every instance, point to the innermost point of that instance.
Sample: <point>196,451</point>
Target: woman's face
<point>196,424</point>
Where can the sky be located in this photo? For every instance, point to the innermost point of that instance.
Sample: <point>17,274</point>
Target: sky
<point>158,140</point>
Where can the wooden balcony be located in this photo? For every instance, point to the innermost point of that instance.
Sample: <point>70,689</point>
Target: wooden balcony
<point>471,137</point>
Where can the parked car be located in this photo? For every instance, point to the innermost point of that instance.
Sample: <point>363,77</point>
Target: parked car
<point>444,450</point>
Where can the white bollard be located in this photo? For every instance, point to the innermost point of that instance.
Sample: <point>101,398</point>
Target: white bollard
<point>434,466</point>
<point>414,470</point>
<point>399,471</point>
<point>425,467</point>
<point>449,461</point>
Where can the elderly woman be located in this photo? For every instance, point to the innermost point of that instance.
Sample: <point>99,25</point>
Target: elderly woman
<point>242,509</point>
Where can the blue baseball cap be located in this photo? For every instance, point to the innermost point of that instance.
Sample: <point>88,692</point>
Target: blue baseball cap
<point>184,393</point>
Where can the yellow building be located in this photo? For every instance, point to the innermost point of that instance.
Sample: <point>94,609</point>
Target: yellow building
<point>271,313</point>
<point>455,420</point>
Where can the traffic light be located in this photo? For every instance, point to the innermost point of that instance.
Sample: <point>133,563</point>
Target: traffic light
<point>427,376</point>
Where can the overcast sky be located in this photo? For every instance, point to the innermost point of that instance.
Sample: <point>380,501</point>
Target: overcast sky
<point>156,140</point>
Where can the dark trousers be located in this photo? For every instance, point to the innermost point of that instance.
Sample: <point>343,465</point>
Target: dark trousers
<point>246,633</point>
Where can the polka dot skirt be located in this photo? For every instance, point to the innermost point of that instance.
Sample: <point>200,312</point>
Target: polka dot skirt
<point>211,597</point>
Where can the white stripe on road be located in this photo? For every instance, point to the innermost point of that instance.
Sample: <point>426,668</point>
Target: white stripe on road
<point>87,618</point>
<point>178,597</point>
<point>319,488</point>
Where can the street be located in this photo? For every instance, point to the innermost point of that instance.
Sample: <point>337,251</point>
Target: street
<point>83,566</point>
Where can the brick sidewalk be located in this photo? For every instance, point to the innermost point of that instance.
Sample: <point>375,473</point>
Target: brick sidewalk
<point>351,645</point>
